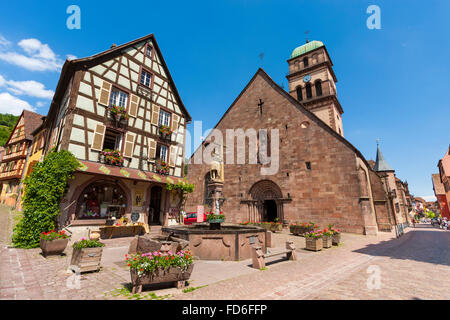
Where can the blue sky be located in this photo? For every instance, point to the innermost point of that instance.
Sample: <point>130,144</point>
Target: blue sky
<point>392,83</point>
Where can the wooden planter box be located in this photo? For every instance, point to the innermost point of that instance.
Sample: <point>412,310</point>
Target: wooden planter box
<point>336,239</point>
<point>53,247</point>
<point>87,259</point>
<point>327,241</point>
<point>174,275</point>
<point>314,244</point>
<point>293,229</point>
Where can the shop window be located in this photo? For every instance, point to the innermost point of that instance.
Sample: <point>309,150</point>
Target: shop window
<point>101,200</point>
<point>112,140</point>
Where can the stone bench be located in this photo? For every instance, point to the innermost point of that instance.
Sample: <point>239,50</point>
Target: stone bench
<point>258,255</point>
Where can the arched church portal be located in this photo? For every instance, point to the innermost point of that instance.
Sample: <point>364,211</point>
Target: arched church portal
<point>265,202</point>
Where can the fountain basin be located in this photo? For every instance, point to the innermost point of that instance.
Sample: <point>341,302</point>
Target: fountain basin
<point>230,243</point>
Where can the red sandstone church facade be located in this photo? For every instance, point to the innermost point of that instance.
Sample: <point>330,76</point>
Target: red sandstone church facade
<point>321,177</point>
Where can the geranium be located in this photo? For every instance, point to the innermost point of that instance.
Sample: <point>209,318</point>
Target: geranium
<point>53,235</point>
<point>335,231</point>
<point>165,130</point>
<point>118,110</point>
<point>314,234</point>
<point>327,232</point>
<point>162,167</point>
<point>112,156</point>
<point>148,262</point>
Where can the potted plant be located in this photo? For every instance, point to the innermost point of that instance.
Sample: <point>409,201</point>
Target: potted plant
<point>87,254</point>
<point>314,240</point>
<point>165,132</point>
<point>293,228</point>
<point>327,241</point>
<point>53,243</point>
<point>158,267</point>
<point>336,237</point>
<point>113,157</point>
<point>215,218</point>
<point>162,167</point>
<point>276,226</point>
<point>118,113</point>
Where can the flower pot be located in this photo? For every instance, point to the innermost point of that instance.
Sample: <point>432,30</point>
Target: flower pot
<point>174,274</point>
<point>215,220</point>
<point>327,241</point>
<point>87,259</point>
<point>314,244</point>
<point>293,229</point>
<point>336,239</point>
<point>54,247</point>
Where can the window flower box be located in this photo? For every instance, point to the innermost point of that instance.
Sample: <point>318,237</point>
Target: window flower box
<point>158,267</point>
<point>165,132</point>
<point>53,243</point>
<point>86,255</point>
<point>118,113</point>
<point>112,157</point>
<point>162,167</point>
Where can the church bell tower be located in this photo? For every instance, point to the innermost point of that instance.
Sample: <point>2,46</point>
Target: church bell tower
<point>313,83</point>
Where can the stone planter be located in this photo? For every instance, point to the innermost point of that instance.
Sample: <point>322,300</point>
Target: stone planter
<point>314,244</point>
<point>174,275</point>
<point>54,247</point>
<point>215,220</point>
<point>336,239</point>
<point>87,259</point>
<point>327,241</point>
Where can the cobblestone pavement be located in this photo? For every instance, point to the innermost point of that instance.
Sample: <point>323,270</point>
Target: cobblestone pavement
<point>416,266</point>
<point>409,268</point>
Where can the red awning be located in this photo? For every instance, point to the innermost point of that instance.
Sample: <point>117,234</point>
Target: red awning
<point>126,173</point>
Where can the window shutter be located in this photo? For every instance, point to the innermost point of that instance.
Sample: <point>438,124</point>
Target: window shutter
<point>155,115</point>
<point>172,156</point>
<point>151,149</point>
<point>99,135</point>
<point>105,90</point>
<point>175,121</point>
<point>132,111</point>
<point>129,145</point>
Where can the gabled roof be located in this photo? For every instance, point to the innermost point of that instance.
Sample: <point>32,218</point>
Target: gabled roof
<point>31,121</point>
<point>298,105</point>
<point>381,164</point>
<point>445,163</point>
<point>437,184</point>
<point>70,66</point>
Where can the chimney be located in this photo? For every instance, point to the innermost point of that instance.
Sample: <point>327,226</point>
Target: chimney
<point>113,45</point>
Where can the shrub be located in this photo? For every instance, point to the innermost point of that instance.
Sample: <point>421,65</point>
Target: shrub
<point>43,192</point>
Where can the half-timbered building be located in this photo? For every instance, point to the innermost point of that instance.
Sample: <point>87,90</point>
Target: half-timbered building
<point>121,115</point>
<point>14,160</point>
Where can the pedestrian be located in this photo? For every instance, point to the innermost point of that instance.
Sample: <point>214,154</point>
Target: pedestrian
<point>414,222</point>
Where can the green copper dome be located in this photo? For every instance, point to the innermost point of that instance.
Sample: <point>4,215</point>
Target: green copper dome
<point>307,47</point>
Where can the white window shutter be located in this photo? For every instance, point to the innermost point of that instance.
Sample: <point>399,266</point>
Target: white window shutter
<point>173,156</point>
<point>175,122</point>
<point>155,115</point>
<point>151,149</point>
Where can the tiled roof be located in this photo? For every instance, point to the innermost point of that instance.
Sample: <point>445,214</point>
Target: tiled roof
<point>32,121</point>
<point>438,186</point>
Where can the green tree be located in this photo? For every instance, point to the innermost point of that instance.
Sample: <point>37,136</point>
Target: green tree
<point>44,190</point>
<point>7,123</point>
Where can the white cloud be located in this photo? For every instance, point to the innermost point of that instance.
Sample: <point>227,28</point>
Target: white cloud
<point>30,88</point>
<point>12,105</point>
<point>71,57</point>
<point>4,42</point>
<point>37,57</point>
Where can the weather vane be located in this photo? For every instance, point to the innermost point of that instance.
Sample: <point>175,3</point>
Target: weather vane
<point>378,141</point>
<point>306,33</point>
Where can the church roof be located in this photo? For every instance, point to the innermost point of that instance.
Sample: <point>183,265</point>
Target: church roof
<point>307,47</point>
<point>381,164</point>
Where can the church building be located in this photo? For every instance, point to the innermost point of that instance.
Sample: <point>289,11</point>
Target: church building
<point>321,176</point>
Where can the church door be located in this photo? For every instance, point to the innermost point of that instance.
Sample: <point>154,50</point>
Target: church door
<point>270,208</point>
<point>155,206</point>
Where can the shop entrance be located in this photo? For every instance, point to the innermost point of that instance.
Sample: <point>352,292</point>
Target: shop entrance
<point>155,205</point>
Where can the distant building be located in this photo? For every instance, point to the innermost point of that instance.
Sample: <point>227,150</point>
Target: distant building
<point>14,159</point>
<point>444,175</point>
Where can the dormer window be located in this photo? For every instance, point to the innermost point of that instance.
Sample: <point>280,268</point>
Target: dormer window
<point>118,98</point>
<point>146,78</point>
